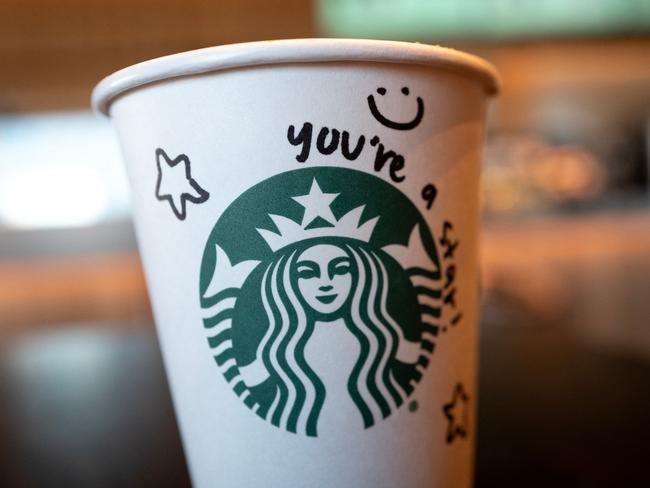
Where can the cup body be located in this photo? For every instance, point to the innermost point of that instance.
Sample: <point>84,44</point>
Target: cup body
<point>308,232</point>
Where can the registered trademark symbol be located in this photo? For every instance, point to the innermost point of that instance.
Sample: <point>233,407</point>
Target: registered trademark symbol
<point>413,406</point>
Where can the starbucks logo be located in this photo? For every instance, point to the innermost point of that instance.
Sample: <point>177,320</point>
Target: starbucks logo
<point>320,291</point>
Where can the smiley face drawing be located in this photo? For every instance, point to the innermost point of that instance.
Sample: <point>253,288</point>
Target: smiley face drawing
<point>383,120</point>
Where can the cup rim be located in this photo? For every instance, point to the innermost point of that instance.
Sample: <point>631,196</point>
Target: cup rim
<point>289,51</point>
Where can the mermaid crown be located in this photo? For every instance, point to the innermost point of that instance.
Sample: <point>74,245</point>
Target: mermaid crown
<point>318,221</point>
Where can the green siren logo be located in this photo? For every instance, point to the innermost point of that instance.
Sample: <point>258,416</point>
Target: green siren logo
<point>320,290</point>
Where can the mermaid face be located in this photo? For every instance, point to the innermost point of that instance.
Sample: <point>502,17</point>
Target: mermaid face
<point>324,277</point>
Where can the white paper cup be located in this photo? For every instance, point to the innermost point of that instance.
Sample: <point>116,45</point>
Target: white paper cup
<point>307,215</point>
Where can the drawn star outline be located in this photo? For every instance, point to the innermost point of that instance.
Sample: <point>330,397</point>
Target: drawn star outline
<point>168,187</point>
<point>457,412</point>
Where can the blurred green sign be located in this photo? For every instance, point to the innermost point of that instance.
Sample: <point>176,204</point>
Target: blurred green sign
<point>481,19</point>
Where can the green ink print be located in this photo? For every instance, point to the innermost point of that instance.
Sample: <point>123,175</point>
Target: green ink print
<point>306,249</point>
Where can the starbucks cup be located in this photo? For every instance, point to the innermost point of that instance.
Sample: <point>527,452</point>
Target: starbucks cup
<point>307,215</point>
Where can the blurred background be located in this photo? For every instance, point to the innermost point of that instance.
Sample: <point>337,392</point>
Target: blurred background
<point>565,349</point>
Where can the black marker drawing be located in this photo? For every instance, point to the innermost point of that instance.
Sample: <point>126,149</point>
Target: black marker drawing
<point>177,188</point>
<point>328,141</point>
<point>449,245</point>
<point>382,119</point>
<point>457,412</point>
<point>429,194</point>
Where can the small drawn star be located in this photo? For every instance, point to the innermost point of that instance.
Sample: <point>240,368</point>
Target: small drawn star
<point>457,412</point>
<point>175,183</point>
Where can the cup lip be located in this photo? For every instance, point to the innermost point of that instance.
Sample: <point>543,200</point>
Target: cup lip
<point>290,51</point>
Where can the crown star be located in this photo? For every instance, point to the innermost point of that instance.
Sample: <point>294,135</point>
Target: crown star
<point>317,204</point>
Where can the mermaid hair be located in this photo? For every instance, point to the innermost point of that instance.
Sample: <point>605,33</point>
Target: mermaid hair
<point>299,392</point>
<point>371,384</point>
